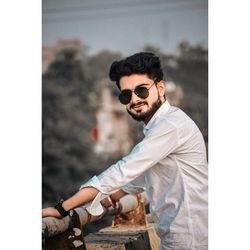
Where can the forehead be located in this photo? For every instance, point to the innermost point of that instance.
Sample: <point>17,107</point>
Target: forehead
<point>130,82</point>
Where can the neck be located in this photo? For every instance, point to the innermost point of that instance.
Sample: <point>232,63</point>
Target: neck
<point>148,118</point>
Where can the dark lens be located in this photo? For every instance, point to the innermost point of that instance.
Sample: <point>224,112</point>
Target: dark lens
<point>142,92</point>
<point>125,96</point>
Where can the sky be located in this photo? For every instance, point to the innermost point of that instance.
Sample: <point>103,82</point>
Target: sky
<point>125,25</point>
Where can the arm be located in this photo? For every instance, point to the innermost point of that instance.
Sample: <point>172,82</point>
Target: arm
<point>82,197</point>
<point>159,143</point>
<point>127,174</point>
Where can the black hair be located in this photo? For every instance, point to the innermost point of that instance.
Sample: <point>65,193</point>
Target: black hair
<point>139,63</point>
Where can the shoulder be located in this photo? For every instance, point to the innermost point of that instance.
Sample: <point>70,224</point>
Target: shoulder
<point>161,125</point>
<point>173,120</point>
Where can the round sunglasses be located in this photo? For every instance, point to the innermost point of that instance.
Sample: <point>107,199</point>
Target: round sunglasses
<point>126,94</point>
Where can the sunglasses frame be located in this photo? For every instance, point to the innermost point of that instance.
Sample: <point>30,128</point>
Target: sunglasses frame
<point>123,100</point>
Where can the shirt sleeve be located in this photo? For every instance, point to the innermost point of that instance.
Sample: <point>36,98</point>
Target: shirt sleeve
<point>161,140</point>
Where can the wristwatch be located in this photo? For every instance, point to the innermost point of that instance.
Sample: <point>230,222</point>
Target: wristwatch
<point>60,209</point>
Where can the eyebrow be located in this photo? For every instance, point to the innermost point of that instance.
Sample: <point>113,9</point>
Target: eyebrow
<point>142,84</point>
<point>139,85</point>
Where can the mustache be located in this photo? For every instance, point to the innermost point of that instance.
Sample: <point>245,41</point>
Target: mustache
<point>138,103</point>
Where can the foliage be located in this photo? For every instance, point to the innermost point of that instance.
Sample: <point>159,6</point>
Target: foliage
<point>67,120</point>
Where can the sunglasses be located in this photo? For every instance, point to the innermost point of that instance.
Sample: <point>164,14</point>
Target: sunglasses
<point>126,94</point>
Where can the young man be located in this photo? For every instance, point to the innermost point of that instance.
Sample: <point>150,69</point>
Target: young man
<point>170,162</point>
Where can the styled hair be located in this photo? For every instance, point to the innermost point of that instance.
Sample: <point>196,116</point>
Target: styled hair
<point>139,63</point>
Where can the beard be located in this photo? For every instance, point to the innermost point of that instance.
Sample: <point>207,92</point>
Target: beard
<point>146,116</point>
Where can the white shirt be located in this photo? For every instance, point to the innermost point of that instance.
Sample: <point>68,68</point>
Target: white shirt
<point>170,162</point>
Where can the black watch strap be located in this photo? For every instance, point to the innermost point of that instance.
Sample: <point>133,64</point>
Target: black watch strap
<point>60,209</point>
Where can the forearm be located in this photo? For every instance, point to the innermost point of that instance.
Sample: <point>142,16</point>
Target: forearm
<point>118,195</point>
<point>82,197</point>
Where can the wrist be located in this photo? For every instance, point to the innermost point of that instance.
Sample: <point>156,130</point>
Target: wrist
<point>61,210</point>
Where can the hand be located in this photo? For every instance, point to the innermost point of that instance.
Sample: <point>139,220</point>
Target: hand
<point>105,202</point>
<point>51,212</point>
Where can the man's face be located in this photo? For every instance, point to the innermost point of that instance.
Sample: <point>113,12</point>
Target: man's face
<point>143,109</point>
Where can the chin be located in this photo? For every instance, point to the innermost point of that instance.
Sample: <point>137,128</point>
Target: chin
<point>145,114</point>
<point>139,116</point>
<point>140,112</point>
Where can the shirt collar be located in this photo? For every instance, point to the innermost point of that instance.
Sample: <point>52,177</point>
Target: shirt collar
<point>163,109</point>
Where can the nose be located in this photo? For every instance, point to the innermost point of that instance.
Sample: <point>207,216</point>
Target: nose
<point>134,98</point>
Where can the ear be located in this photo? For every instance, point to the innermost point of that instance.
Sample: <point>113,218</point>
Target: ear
<point>161,86</point>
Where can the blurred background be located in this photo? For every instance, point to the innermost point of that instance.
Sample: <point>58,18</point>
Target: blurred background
<point>84,128</point>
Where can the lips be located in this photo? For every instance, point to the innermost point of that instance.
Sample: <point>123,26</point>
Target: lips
<point>138,107</point>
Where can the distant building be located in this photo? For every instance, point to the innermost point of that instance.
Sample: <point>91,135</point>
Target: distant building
<point>113,127</point>
<point>174,93</point>
<point>49,52</point>
<point>48,55</point>
<point>63,44</point>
